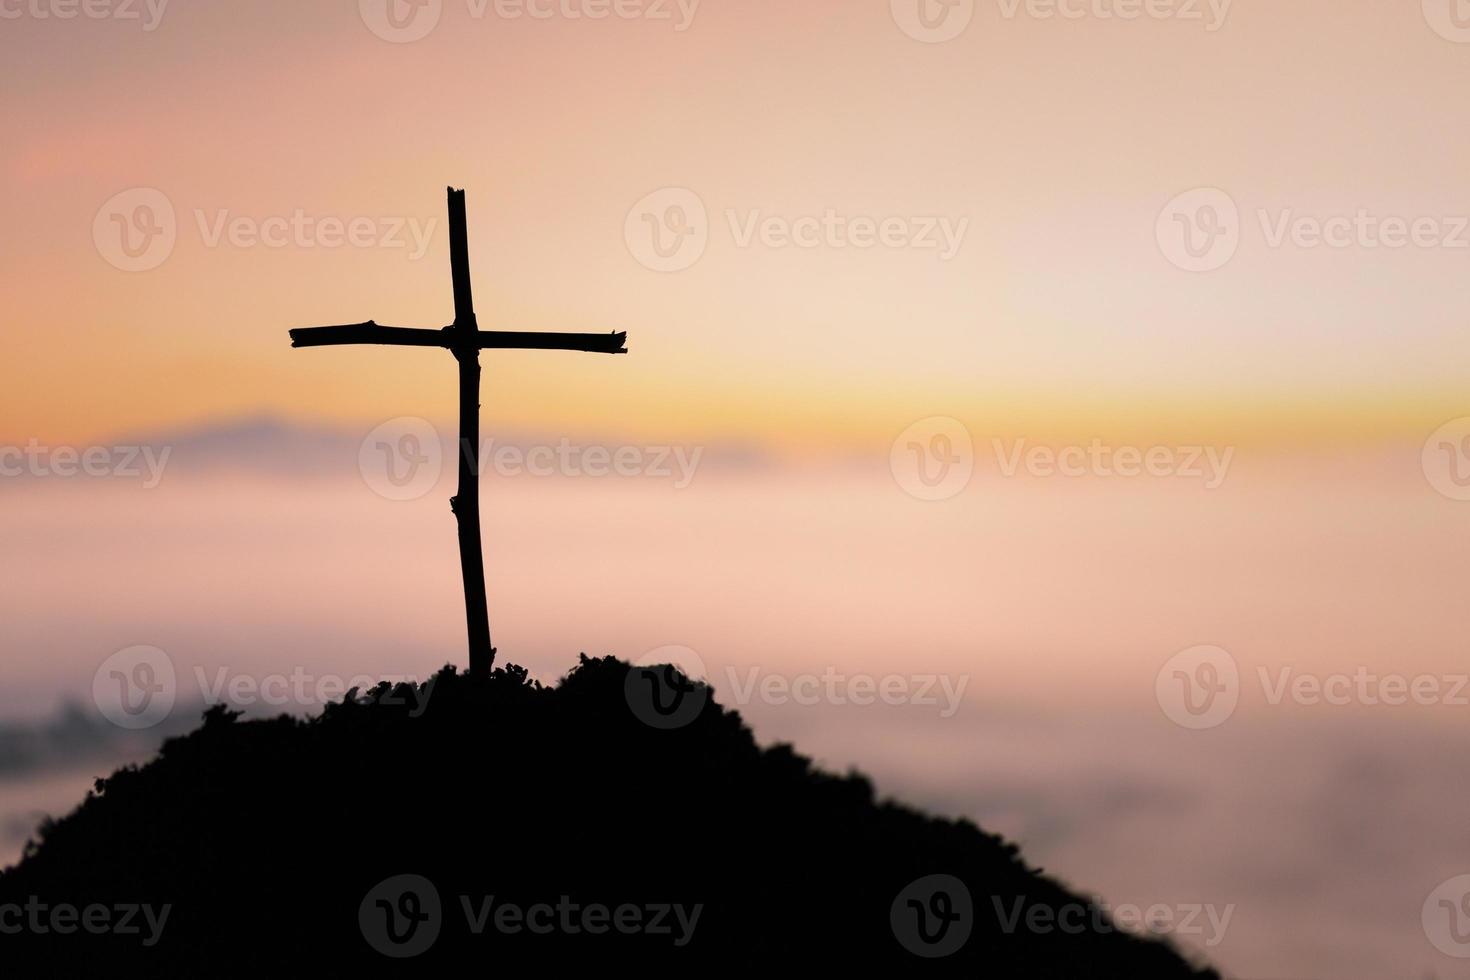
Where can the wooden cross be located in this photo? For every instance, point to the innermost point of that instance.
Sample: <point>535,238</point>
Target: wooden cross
<point>465,340</point>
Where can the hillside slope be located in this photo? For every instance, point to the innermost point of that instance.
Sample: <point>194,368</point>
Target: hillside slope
<point>500,822</point>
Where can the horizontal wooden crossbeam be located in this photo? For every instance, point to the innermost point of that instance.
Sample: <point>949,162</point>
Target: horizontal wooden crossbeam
<point>368,333</point>
<point>372,333</point>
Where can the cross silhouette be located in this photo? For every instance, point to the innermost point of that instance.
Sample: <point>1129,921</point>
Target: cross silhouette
<point>464,339</point>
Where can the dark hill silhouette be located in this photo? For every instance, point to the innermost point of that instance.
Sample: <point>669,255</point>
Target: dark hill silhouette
<point>271,842</point>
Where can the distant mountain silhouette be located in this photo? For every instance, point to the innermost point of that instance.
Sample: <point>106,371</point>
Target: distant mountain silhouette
<point>77,735</point>
<point>620,818</point>
<point>270,446</point>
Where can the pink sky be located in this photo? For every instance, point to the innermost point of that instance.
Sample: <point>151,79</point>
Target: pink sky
<point>1056,141</point>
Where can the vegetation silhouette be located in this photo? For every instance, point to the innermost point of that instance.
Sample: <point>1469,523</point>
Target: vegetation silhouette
<point>283,844</point>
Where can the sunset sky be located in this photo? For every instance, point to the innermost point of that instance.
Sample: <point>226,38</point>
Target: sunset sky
<point>1241,227</point>
<point>1057,140</point>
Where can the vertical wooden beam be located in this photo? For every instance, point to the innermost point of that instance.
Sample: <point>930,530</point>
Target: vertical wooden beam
<point>459,262</point>
<point>466,501</point>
